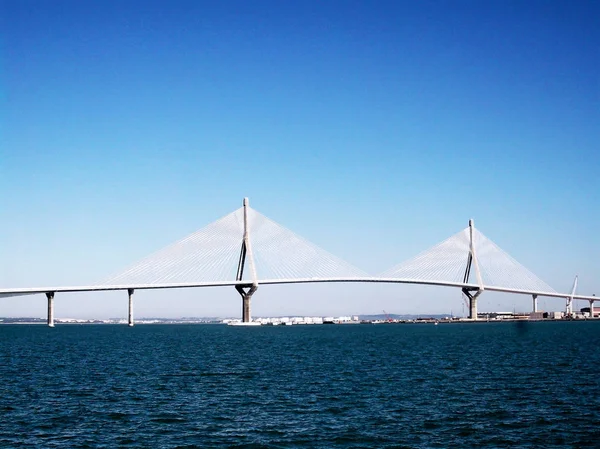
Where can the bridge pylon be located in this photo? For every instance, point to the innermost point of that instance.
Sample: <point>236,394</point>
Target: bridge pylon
<point>569,302</point>
<point>246,290</point>
<point>472,262</point>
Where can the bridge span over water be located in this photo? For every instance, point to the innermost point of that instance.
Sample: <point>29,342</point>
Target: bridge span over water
<point>245,249</point>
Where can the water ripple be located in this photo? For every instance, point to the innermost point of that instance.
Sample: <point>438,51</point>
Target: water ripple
<point>419,386</point>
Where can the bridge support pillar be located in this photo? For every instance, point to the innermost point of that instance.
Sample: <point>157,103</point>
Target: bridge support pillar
<point>246,296</point>
<point>473,308</point>
<point>472,302</point>
<point>535,304</point>
<point>591,308</point>
<point>130,314</point>
<point>50,296</point>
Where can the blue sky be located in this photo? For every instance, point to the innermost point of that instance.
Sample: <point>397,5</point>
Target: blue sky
<point>373,129</point>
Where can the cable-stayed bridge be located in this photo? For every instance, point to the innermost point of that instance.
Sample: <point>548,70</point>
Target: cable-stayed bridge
<point>245,249</point>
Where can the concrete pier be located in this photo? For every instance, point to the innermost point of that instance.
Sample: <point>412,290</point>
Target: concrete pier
<point>246,317</point>
<point>591,308</point>
<point>50,296</point>
<point>473,307</point>
<point>246,297</point>
<point>535,304</point>
<point>130,314</point>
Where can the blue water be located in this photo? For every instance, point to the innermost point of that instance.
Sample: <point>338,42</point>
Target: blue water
<point>367,386</point>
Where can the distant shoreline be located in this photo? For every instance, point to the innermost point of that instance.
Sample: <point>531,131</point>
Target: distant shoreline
<point>156,321</point>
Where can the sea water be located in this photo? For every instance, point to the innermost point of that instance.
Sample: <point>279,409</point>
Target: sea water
<point>364,386</point>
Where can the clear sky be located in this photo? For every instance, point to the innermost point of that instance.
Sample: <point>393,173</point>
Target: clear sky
<point>374,129</point>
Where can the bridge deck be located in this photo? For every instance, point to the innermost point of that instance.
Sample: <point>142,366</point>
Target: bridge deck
<point>7,292</point>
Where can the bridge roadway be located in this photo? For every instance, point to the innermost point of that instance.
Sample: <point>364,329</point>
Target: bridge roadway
<point>6,292</point>
<point>50,291</point>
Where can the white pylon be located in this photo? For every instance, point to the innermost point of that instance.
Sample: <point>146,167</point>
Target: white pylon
<point>569,305</point>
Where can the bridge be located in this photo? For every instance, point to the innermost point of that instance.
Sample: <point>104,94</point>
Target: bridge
<point>245,250</point>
